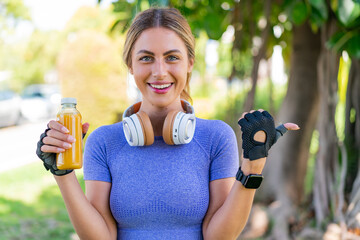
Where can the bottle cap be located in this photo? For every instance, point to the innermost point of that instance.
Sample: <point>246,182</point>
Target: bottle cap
<point>68,100</point>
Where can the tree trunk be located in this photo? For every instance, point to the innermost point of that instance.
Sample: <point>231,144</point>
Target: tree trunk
<point>237,22</point>
<point>287,162</point>
<point>352,123</point>
<point>352,140</point>
<point>288,158</point>
<point>327,158</point>
<point>249,101</point>
<point>271,87</point>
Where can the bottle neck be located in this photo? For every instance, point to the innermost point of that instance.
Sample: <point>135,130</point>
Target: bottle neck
<point>68,105</point>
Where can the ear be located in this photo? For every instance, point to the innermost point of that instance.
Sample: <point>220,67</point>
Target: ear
<point>191,65</point>
<point>131,71</point>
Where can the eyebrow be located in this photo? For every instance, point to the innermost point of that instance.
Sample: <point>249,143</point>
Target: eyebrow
<point>152,54</point>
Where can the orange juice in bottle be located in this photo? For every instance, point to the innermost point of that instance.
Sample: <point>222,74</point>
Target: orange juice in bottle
<point>70,117</point>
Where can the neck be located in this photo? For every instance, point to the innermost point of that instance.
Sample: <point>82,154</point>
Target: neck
<point>158,114</point>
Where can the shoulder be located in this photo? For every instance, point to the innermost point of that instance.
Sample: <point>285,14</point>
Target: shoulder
<point>218,139</point>
<point>107,133</point>
<point>213,134</point>
<point>213,127</point>
<point>107,130</point>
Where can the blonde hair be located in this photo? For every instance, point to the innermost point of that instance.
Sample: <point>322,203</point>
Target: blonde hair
<point>169,18</point>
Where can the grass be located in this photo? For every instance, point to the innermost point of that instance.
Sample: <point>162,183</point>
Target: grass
<point>31,206</point>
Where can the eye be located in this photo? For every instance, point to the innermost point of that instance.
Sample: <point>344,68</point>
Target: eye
<point>146,59</point>
<point>172,58</point>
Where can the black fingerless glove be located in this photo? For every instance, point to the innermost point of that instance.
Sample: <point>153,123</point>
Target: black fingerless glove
<point>49,159</point>
<point>250,125</point>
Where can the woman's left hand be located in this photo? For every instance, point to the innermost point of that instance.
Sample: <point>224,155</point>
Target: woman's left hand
<point>258,135</point>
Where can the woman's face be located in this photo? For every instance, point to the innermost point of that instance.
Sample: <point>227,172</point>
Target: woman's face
<point>160,66</point>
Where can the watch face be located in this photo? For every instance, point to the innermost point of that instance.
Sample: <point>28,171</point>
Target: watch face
<point>254,181</point>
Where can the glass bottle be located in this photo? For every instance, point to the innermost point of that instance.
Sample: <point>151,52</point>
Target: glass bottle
<point>70,117</point>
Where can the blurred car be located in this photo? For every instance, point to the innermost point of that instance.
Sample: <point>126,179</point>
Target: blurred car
<point>40,101</point>
<point>10,105</point>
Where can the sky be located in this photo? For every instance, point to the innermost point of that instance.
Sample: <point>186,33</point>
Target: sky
<point>53,14</point>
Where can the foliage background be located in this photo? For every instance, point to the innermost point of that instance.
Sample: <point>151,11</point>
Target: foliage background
<point>86,56</point>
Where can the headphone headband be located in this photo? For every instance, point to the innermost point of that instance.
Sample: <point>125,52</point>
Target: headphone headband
<point>187,107</point>
<point>136,107</point>
<point>132,110</point>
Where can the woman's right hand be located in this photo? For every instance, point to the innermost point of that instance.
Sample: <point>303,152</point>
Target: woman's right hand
<point>57,139</point>
<point>54,140</point>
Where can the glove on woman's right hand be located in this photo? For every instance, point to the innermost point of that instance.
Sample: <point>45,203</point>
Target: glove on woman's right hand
<point>49,158</point>
<point>54,140</point>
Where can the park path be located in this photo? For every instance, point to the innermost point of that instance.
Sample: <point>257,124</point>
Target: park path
<point>18,144</point>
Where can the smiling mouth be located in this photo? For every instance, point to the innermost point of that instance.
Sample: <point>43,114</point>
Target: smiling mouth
<point>160,87</point>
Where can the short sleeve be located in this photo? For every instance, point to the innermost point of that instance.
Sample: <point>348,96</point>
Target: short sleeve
<point>95,159</point>
<point>224,153</point>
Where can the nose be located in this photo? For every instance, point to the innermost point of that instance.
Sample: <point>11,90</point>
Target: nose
<point>159,70</point>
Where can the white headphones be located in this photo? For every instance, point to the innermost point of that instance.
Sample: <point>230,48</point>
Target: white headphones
<point>179,127</point>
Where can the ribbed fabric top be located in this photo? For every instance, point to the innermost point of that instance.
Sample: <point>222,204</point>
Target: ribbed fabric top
<point>161,191</point>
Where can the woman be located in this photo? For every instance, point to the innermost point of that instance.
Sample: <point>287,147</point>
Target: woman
<point>168,189</point>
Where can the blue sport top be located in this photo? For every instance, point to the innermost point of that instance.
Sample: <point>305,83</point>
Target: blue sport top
<point>161,191</point>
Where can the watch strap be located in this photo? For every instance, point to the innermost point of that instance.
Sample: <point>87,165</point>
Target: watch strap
<point>251,181</point>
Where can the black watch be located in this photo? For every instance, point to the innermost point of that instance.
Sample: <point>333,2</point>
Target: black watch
<point>252,181</point>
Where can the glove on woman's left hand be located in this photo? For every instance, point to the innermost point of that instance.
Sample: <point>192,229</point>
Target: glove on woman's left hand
<point>254,122</point>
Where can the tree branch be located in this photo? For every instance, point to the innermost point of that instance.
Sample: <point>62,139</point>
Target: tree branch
<point>340,190</point>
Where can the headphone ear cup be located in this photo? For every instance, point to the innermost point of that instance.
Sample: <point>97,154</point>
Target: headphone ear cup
<point>184,126</point>
<point>132,127</point>
<point>147,129</point>
<point>168,127</point>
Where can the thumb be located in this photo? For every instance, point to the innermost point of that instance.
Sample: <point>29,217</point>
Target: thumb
<point>283,128</point>
<point>291,126</point>
<point>85,128</point>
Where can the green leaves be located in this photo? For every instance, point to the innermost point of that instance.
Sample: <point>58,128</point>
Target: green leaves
<point>314,10</point>
<point>161,3</point>
<point>346,41</point>
<point>15,9</point>
<point>213,25</point>
<point>319,12</point>
<point>205,15</point>
<point>298,12</point>
<point>348,12</point>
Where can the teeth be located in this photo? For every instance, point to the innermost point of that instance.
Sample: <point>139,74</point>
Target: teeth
<point>160,86</point>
